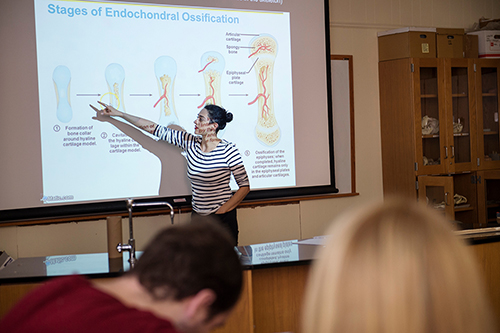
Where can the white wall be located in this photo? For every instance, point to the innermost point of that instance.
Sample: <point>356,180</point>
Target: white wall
<point>353,25</point>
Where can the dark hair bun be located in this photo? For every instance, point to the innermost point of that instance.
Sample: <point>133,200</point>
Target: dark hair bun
<point>229,117</point>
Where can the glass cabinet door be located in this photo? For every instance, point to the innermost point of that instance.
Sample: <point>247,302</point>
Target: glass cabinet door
<point>460,123</point>
<point>428,117</point>
<point>454,195</point>
<point>437,193</point>
<point>487,83</point>
<point>488,197</point>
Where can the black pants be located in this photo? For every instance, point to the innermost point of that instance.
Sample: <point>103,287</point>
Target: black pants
<point>228,220</point>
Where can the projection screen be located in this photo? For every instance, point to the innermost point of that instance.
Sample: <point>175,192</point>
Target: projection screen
<point>266,61</point>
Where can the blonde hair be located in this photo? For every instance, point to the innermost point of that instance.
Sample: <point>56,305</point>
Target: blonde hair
<point>395,267</point>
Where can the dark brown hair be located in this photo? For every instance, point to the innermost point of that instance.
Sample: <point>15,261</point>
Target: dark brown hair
<point>185,259</point>
<point>219,115</point>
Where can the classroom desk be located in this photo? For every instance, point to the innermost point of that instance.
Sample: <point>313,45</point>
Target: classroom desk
<point>274,278</point>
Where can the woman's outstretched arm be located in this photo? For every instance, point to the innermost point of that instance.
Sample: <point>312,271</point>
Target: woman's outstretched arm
<point>108,110</point>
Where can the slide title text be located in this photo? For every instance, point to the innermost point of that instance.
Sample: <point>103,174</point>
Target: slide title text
<point>142,15</point>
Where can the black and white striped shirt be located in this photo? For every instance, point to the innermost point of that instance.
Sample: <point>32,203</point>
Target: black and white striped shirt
<point>210,172</point>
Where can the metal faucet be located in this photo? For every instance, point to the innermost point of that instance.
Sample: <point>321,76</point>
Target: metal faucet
<point>130,247</point>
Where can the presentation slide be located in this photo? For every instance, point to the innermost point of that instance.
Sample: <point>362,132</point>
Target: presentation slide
<point>265,61</point>
<point>173,61</point>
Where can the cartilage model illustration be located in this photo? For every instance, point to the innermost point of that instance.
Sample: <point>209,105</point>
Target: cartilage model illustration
<point>165,72</point>
<point>62,78</point>
<point>212,66</point>
<point>115,77</point>
<point>264,49</point>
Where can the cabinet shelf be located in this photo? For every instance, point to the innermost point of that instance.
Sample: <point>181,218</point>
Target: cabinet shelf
<point>459,95</point>
<point>464,209</point>
<point>428,96</point>
<point>490,95</point>
<point>434,136</point>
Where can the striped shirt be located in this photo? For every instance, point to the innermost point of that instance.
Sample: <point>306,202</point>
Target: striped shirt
<point>210,172</point>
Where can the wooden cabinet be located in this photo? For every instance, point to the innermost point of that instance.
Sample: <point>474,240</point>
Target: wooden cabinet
<point>445,124</point>
<point>439,123</point>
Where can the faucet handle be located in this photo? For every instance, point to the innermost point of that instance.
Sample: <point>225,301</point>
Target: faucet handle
<point>123,247</point>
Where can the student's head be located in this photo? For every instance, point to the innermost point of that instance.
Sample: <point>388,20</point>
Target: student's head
<point>181,261</point>
<point>219,115</point>
<point>395,267</point>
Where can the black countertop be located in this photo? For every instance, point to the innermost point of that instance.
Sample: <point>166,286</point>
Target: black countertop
<point>98,265</point>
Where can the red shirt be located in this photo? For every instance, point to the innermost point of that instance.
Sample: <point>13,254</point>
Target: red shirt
<point>72,304</point>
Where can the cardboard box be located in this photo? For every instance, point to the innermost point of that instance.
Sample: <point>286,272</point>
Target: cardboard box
<point>410,42</point>
<point>488,43</point>
<point>450,43</point>
<point>471,49</point>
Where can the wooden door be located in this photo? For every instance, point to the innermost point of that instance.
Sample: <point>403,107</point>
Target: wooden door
<point>461,143</point>
<point>487,109</point>
<point>428,88</point>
